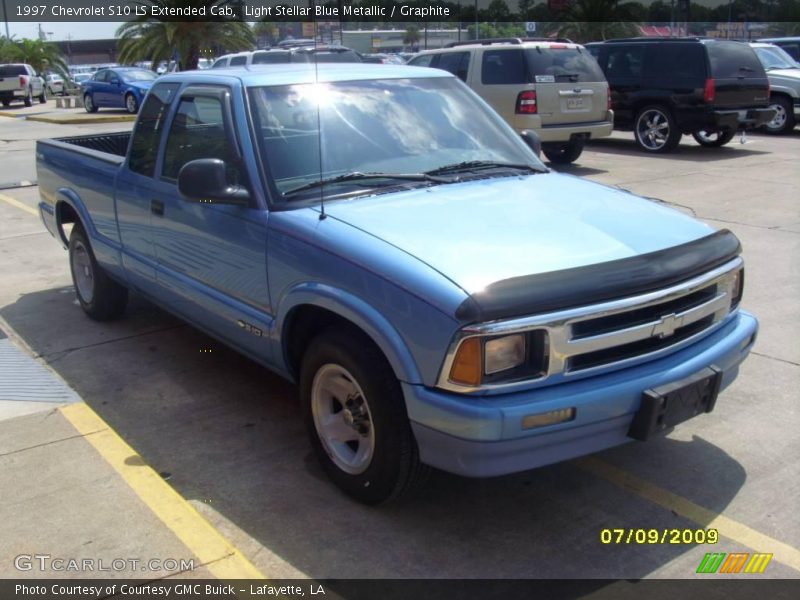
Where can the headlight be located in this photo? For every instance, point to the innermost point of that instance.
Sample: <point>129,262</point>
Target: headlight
<point>480,360</point>
<point>737,288</point>
<point>503,353</point>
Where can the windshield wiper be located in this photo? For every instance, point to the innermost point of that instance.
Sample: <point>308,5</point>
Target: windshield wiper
<point>359,176</point>
<point>476,165</point>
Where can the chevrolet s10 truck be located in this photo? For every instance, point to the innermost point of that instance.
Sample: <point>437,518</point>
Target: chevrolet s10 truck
<point>381,237</point>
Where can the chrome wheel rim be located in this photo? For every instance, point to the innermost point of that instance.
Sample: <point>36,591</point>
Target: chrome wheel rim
<point>87,102</point>
<point>131,104</point>
<point>652,129</point>
<point>82,272</point>
<point>342,419</point>
<point>709,137</point>
<point>779,120</point>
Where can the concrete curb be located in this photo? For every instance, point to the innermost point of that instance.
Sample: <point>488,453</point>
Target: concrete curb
<point>82,120</point>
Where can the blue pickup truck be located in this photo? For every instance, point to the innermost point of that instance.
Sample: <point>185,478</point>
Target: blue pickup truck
<point>381,237</point>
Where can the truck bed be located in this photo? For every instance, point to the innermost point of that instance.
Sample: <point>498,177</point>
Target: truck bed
<point>115,144</point>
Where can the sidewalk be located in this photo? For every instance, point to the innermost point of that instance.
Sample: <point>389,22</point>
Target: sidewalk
<point>48,113</point>
<point>78,502</point>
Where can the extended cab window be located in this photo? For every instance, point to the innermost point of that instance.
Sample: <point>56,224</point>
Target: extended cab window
<point>197,131</point>
<point>238,60</point>
<point>504,67</point>
<point>422,61</point>
<point>147,133</point>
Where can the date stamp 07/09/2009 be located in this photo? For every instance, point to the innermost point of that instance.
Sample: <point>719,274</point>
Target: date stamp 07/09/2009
<point>659,536</point>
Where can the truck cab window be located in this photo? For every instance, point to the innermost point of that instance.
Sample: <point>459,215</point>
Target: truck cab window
<point>197,131</point>
<point>147,133</point>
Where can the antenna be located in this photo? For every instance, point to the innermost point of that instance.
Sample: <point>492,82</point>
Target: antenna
<point>322,215</point>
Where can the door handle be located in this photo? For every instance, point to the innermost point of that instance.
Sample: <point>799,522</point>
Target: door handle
<point>157,208</point>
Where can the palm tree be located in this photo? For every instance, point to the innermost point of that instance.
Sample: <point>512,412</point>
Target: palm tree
<point>594,20</point>
<point>411,37</point>
<point>41,55</point>
<point>148,38</point>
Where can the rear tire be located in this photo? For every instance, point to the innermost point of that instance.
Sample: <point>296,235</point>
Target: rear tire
<point>565,153</point>
<point>131,105</point>
<point>713,139</point>
<point>100,297</point>
<point>784,120</point>
<point>655,130</point>
<point>356,417</point>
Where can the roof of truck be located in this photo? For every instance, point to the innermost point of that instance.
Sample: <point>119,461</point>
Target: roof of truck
<point>285,74</point>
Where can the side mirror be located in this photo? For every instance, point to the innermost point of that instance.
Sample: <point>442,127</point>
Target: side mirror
<point>204,180</point>
<point>532,139</point>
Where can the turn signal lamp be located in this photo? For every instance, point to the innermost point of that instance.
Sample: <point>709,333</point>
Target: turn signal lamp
<point>549,418</point>
<point>468,363</point>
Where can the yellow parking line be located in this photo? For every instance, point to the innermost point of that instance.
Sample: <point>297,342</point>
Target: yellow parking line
<point>216,553</point>
<point>17,204</point>
<point>683,507</point>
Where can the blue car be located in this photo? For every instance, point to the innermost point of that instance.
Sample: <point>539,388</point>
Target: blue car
<point>121,87</point>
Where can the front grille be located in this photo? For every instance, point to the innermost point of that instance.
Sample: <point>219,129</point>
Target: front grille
<point>634,349</point>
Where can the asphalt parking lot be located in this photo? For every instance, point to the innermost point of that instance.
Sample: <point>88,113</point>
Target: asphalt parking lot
<point>228,437</point>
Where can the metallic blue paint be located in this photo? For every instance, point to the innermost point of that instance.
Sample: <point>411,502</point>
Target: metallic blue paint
<point>396,265</point>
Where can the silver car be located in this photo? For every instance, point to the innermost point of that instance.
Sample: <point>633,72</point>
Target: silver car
<point>784,83</point>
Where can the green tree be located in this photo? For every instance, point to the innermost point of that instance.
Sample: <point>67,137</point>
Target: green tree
<point>594,20</point>
<point>41,55</point>
<point>148,38</point>
<point>411,36</point>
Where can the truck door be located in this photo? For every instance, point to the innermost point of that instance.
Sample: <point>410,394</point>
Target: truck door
<point>211,257</point>
<point>136,187</point>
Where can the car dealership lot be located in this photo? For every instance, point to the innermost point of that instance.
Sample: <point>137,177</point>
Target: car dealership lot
<point>228,436</point>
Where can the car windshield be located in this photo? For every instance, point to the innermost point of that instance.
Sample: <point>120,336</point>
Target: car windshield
<point>775,58</point>
<point>138,75</point>
<point>402,129</point>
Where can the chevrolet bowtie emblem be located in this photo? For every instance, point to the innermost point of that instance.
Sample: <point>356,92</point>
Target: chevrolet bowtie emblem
<point>666,326</point>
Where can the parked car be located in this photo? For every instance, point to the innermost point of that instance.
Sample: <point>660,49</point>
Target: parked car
<point>122,87</point>
<point>784,86</point>
<point>287,54</point>
<point>19,81</point>
<point>54,83</point>
<point>791,45</point>
<point>79,78</point>
<point>379,235</point>
<point>553,88</point>
<point>663,88</point>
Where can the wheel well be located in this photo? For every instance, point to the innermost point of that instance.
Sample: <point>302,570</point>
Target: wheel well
<point>65,214</point>
<point>306,322</point>
<point>782,95</point>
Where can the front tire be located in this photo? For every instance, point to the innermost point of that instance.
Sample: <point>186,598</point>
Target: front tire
<point>43,97</point>
<point>88,104</point>
<point>784,120</point>
<point>713,139</point>
<point>28,101</point>
<point>356,417</point>
<point>100,297</point>
<point>655,130</point>
<point>563,154</point>
<point>131,104</point>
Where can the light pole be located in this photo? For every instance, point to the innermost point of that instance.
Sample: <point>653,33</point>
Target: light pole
<point>5,18</point>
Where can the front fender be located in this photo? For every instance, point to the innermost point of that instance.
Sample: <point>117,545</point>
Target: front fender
<point>358,312</point>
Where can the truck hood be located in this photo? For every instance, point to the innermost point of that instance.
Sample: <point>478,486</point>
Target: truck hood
<point>479,232</point>
<point>792,75</point>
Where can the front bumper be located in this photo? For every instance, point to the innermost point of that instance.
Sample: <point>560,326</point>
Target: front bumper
<point>482,436</point>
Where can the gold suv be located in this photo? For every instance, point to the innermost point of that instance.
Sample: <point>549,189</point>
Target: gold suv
<point>553,87</point>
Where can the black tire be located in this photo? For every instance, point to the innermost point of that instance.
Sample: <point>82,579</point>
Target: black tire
<point>102,298</point>
<point>713,139</point>
<point>88,104</point>
<point>131,104</point>
<point>43,96</point>
<point>784,120</point>
<point>655,130</point>
<point>28,101</point>
<point>6,103</point>
<point>563,153</point>
<point>347,356</point>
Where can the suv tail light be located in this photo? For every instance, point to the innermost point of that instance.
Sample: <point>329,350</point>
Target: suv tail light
<point>710,91</point>
<point>526,103</point>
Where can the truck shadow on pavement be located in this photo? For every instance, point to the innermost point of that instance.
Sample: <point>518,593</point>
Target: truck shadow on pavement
<point>227,433</point>
<point>688,150</point>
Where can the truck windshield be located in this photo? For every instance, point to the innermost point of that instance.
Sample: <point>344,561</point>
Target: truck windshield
<point>775,58</point>
<point>405,127</point>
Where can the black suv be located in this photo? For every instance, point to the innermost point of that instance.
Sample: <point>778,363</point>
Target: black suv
<point>662,88</point>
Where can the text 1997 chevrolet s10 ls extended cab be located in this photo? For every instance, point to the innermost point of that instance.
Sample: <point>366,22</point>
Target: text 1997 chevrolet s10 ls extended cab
<point>380,236</point>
